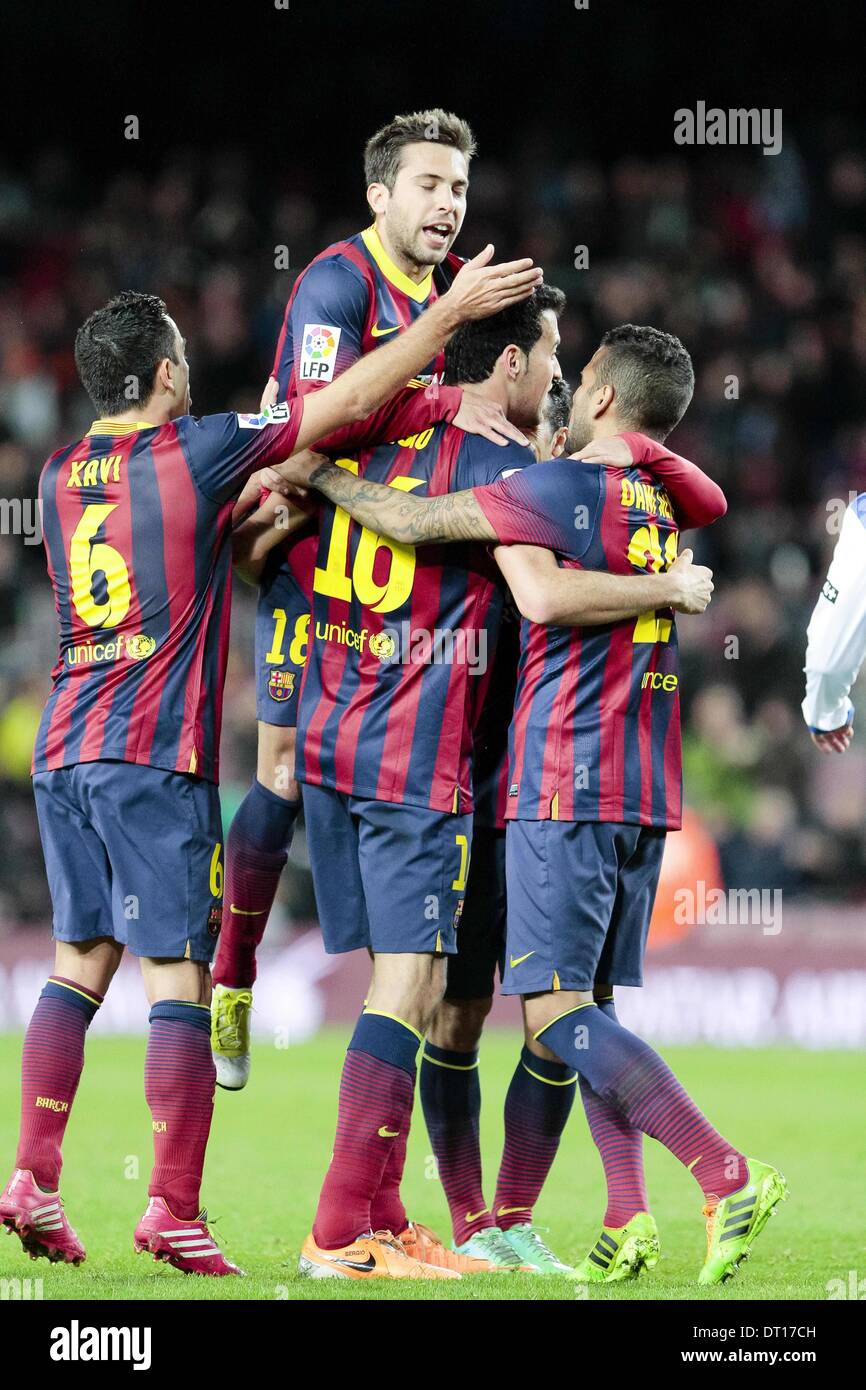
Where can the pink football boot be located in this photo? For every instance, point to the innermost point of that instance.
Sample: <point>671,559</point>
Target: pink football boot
<point>188,1245</point>
<point>38,1219</point>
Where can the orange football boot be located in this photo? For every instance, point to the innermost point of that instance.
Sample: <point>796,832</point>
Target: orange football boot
<point>379,1255</point>
<point>423,1244</point>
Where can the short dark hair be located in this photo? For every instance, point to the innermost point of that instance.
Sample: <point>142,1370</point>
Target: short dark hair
<point>474,349</point>
<point>119,347</point>
<point>383,151</point>
<point>557,405</point>
<point>652,375</point>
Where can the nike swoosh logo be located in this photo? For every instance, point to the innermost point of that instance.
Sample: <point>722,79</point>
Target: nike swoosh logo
<point>378,332</point>
<point>474,1215</point>
<point>245,912</point>
<point>518,961</point>
<point>369,1263</point>
<point>510,1211</point>
<point>386,1133</point>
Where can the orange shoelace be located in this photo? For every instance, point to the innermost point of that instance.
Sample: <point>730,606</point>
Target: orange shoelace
<point>709,1211</point>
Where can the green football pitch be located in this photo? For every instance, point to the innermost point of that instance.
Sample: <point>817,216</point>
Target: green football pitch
<point>270,1146</point>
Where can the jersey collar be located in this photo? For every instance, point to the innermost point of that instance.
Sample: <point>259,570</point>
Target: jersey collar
<point>119,427</point>
<point>393,273</point>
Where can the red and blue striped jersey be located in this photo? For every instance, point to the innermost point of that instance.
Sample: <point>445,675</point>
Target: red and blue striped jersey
<point>347,301</point>
<point>136,522</point>
<point>401,637</point>
<point>408,413</point>
<point>596,729</point>
<point>491,724</point>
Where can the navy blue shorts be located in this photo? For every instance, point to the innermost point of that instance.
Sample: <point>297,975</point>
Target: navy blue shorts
<point>580,897</point>
<point>388,877</point>
<point>133,852</point>
<point>282,635</point>
<point>481,935</point>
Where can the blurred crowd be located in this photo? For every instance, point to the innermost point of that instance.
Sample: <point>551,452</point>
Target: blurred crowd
<point>758,264</point>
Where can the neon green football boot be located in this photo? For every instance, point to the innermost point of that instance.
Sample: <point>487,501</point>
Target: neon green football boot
<point>230,1036</point>
<point>735,1221</point>
<point>621,1252</point>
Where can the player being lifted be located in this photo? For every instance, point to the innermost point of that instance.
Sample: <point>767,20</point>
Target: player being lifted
<point>137,520</point>
<point>355,296</point>
<point>384,753</point>
<point>594,784</point>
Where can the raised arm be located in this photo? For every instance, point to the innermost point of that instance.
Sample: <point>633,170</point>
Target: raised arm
<point>548,594</point>
<point>479,289</point>
<point>416,408</point>
<point>696,499</point>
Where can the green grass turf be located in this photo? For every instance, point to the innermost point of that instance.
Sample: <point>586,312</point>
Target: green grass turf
<point>271,1144</point>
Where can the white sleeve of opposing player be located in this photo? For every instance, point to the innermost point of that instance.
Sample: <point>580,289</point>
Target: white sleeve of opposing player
<point>837,629</point>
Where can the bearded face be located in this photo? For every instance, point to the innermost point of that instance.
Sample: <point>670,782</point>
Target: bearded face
<point>579,424</point>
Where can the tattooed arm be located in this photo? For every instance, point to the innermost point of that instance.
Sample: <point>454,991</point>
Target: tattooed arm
<point>544,593</point>
<point>456,516</point>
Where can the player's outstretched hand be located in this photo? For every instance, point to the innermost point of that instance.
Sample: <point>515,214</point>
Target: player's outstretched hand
<point>250,495</point>
<point>270,395</point>
<point>692,584</point>
<point>267,480</point>
<point>478,415</point>
<point>481,289</point>
<point>836,740</point>
<point>295,471</point>
<point>613,451</point>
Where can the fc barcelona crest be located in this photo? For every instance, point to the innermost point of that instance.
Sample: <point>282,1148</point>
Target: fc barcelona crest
<point>281,685</point>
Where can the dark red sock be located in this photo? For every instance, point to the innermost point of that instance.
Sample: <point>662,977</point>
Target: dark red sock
<point>256,852</point>
<point>387,1211</point>
<point>653,1100</point>
<point>51,1066</point>
<point>625,1071</point>
<point>179,1081</point>
<point>621,1148</point>
<point>377,1089</point>
<point>537,1106</point>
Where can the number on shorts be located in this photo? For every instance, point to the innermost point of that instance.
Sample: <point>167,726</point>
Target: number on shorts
<point>300,641</point>
<point>462,842</point>
<point>275,655</point>
<point>216,872</point>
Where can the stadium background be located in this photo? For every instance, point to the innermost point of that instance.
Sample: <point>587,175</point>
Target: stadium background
<point>250,127</point>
